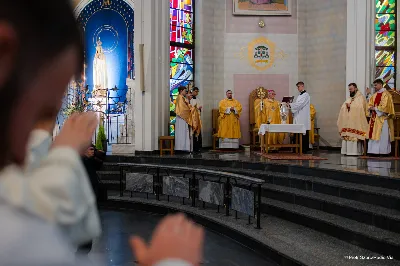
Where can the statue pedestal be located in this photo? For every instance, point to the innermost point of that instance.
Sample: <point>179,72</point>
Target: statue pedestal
<point>126,138</point>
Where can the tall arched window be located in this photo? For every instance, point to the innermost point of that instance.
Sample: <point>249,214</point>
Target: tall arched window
<point>385,41</point>
<point>181,50</point>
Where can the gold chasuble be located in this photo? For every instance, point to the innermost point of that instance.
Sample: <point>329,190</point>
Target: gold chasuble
<point>196,121</point>
<point>352,122</point>
<point>260,116</point>
<point>182,109</point>
<point>384,103</point>
<point>229,126</point>
<point>273,116</point>
<point>312,131</point>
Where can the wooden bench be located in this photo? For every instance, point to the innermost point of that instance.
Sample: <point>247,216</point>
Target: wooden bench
<point>165,139</point>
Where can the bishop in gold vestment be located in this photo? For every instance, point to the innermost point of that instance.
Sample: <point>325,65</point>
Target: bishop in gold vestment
<point>183,141</point>
<point>381,129</point>
<point>352,122</point>
<point>229,125</point>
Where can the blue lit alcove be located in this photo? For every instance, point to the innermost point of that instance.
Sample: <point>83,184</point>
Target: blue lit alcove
<point>113,24</point>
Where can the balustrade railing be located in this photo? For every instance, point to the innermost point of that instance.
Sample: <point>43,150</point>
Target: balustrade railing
<point>233,192</point>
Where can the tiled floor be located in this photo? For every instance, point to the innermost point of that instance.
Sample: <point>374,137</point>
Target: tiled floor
<point>335,161</point>
<point>119,226</point>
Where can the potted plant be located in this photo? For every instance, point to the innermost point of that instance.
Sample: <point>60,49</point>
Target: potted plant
<point>101,140</point>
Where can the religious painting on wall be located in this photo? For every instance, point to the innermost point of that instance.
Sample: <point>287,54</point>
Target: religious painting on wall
<point>262,7</point>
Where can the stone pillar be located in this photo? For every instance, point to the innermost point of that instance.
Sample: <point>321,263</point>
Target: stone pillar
<point>360,55</point>
<point>151,106</point>
<point>126,139</point>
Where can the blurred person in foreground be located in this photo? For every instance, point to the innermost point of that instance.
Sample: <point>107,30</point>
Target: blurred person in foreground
<point>40,50</point>
<point>93,161</point>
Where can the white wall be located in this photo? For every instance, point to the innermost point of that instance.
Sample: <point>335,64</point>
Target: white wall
<point>322,61</point>
<point>221,38</point>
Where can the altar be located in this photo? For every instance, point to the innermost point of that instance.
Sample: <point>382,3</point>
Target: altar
<point>266,129</point>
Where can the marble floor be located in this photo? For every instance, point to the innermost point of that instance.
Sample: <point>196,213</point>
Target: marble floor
<point>335,161</point>
<point>119,226</point>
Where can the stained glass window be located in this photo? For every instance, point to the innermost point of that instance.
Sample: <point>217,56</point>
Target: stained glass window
<point>385,42</point>
<point>181,51</point>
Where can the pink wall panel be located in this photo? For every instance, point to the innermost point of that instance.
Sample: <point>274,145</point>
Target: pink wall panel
<point>249,24</point>
<point>244,84</point>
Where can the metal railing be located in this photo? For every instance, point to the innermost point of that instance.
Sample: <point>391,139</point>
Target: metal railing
<point>240,193</point>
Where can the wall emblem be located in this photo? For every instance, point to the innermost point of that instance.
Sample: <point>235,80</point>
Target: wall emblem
<point>261,53</point>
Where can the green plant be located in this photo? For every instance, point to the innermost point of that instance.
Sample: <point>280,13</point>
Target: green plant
<point>101,138</point>
<point>73,108</point>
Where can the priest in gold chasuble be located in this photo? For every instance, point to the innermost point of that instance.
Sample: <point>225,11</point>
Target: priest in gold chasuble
<point>273,115</point>
<point>381,129</point>
<point>352,122</point>
<point>229,125</point>
<point>183,122</point>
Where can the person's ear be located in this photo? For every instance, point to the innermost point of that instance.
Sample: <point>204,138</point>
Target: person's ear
<point>8,49</point>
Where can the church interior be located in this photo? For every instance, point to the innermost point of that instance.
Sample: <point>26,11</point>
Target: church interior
<point>237,113</point>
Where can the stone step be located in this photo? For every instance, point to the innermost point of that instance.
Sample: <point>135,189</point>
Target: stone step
<point>388,219</point>
<point>234,163</point>
<point>366,236</point>
<point>286,242</point>
<point>388,198</point>
<point>384,197</point>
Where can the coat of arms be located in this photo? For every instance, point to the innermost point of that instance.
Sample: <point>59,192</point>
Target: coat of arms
<point>261,53</point>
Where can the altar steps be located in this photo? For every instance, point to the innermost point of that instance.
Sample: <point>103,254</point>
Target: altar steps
<point>363,215</point>
<point>384,218</point>
<point>287,243</point>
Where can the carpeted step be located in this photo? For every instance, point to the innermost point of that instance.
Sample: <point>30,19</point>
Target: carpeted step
<point>388,219</point>
<point>365,236</point>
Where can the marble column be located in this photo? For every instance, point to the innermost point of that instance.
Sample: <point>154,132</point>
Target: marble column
<point>151,106</point>
<point>360,54</point>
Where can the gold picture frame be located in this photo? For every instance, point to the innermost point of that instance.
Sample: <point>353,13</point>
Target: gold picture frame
<point>262,7</point>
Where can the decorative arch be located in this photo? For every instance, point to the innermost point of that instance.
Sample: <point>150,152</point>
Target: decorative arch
<point>83,3</point>
<point>87,9</point>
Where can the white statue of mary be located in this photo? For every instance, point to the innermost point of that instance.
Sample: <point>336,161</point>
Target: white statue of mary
<point>100,80</point>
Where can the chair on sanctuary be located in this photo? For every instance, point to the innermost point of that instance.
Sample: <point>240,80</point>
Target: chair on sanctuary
<point>215,125</point>
<point>163,140</point>
<point>258,93</point>
<point>396,101</point>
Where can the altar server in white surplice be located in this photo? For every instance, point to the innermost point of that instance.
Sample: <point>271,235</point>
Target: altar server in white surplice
<point>183,140</point>
<point>301,113</point>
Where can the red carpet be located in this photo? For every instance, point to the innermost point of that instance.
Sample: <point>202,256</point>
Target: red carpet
<point>379,158</point>
<point>290,156</point>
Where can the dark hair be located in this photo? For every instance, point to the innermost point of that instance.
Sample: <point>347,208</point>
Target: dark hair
<point>181,88</point>
<point>44,29</point>
<point>299,83</point>
<point>378,81</point>
<point>353,84</point>
<point>195,89</point>
<point>228,91</point>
